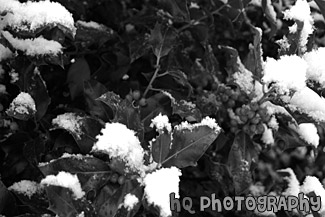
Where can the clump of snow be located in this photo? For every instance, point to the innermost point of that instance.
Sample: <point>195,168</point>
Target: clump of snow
<point>301,12</point>
<point>23,104</point>
<point>288,73</point>
<point>312,184</point>
<point>70,122</point>
<point>309,102</point>
<point>130,200</point>
<point>31,15</point>
<point>316,67</point>
<point>14,76</point>
<point>293,188</point>
<point>161,122</point>
<point>5,53</point>
<point>267,136</point>
<point>118,141</point>
<point>91,24</point>
<point>273,123</point>
<point>27,188</point>
<point>3,89</point>
<point>173,100</point>
<point>33,47</point>
<point>75,156</point>
<point>244,79</point>
<point>159,185</point>
<point>207,121</point>
<point>307,132</point>
<point>66,180</point>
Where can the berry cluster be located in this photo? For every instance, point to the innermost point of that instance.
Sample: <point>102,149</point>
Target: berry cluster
<point>243,113</point>
<point>136,97</point>
<point>116,178</point>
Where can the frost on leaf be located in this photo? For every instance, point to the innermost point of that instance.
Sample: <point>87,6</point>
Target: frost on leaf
<point>161,122</point>
<point>26,187</point>
<point>316,67</point>
<point>66,180</point>
<point>33,47</point>
<point>244,79</point>
<point>207,121</point>
<point>31,15</point>
<point>119,142</point>
<point>158,186</point>
<point>22,107</point>
<point>300,12</point>
<point>70,122</point>
<point>288,73</point>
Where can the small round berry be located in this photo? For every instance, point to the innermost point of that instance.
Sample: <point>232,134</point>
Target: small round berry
<point>255,120</point>
<point>229,92</point>
<point>114,178</point>
<point>251,114</point>
<point>241,98</point>
<point>121,180</point>
<point>221,89</point>
<point>143,102</point>
<point>231,103</point>
<point>233,122</point>
<point>243,118</point>
<point>254,106</point>
<point>234,95</point>
<point>260,128</point>
<point>14,126</point>
<point>136,95</point>
<point>252,128</point>
<point>238,111</point>
<point>246,128</point>
<point>129,97</point>
<point>224,98</point>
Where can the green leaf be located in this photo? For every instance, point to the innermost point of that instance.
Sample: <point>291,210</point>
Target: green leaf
<point>321,5</point>
<point>138,47</point>
<point>112,100</point>
<point>7,201</point>
<point>111,205</point>
<point>92,172</point>
<point>161,146</point>
<point>92,91</point>
<point>186,110</point>
<point>63,204</point>
<point>162,40</point>
<point>188,145</point>
<point>78,73</point>
<point>240,159</point>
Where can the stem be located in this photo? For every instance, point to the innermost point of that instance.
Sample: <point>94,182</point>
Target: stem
<point>157,66</point>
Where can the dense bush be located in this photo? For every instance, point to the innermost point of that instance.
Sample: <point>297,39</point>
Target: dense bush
<point>108,106</point>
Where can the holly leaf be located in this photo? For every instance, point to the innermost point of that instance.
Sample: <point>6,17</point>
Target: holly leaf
<point>138,47</point>
<point>160,147</point>
<point>186,110</point>
<point>112,204</point>
<point>92,91</point>
<point>188,145</point>
<point>162,40</point>
<point>270,15</point>
<point>63,203</point>
<point>92,172</point>
<point>240,159</point>
<point>112,100</point>
<point>78,73</point>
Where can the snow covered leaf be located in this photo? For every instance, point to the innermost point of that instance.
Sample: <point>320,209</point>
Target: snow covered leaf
<point>84,129</point>
<point>186,110</point>
<point>162,40</point>
<point>92,172</point>
<point>112,100</point>
<point>293,185</point>
<point>120,142</point>
<point>240,160</point>
<point>63,203</point>
<point>93,34</point>
<point>190,142</point>
<point>22,107</point>
<point>156,104</point>
<point>111,205</point>
<point>78,73</point>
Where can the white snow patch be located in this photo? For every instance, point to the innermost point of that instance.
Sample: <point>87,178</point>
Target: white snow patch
<point>207,121</point>
<point>26,187</point>
<point>307,132</point>
<point>118,141</point>
<point>5,53</point>
<point>158,186</point>
<point>130,200</point>
<point>316,66</point>
<point>293,188</point>
<point>288,73</point>
<point>267,136</point>
<point>161,122</point>
<point>70,122</point>
<point>23,104</point>
<point>312,184</point>
<point>91,24</point>
<point>66,180</point>
<point>33,47</point>
<point>244,79</point>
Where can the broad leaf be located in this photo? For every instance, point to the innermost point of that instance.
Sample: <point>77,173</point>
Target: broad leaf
<point>112,100</point>
<point>188,145</point>
<point>162,40</point>
<point>78,73</point>
<point>321,5</point>
<point>139,47</point>
<point>160,147</point>
<point>186,110</point>
<point>240,159</point>
<point>270,15</point>
<point>63,203</point>
<point>112,204</point>
<point>7,201</point>
<point>220,172</point>
<point>92,172</point>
